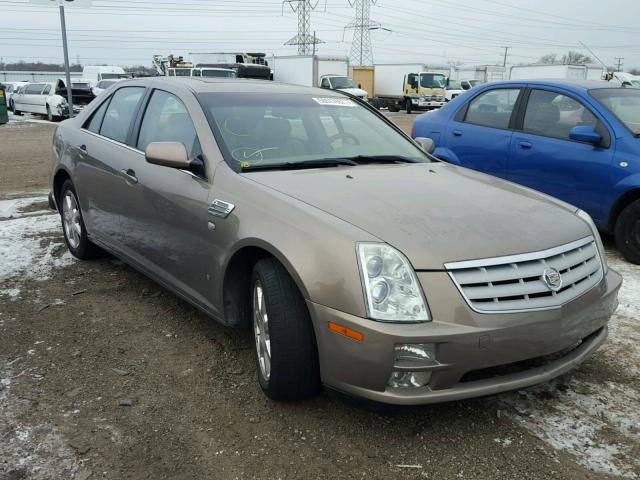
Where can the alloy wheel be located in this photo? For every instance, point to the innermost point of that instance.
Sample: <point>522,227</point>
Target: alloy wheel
<point>71,219</point>
<point>261,330</point>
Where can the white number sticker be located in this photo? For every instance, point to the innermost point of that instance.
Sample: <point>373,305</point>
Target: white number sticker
<point>334,101</point>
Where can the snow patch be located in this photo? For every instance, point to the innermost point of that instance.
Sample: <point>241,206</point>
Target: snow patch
<point>12,293</point>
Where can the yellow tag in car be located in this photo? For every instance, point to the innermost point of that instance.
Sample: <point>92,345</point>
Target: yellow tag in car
<point>245,164</point>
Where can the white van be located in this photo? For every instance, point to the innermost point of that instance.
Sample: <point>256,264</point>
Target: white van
<point>96,73</point>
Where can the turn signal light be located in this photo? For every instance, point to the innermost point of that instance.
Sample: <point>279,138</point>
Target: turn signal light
<point>347,332</point>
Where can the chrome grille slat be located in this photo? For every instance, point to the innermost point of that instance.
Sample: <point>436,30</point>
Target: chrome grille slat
<point>516,283</point>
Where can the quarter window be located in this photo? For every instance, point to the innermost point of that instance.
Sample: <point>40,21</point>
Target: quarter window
<point>554,115</point>
<point>493,108</point>
<point>166,119</point>
<point>46,90</point>
<point>325,83</point>
<point>96,118</point>
<point>120,113</point>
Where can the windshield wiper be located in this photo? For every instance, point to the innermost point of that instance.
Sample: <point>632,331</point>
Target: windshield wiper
<point>320,163</point>
<point>382,159</point>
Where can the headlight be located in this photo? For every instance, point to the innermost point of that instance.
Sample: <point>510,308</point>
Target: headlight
<point>391,287</point>
<point>596,235</point>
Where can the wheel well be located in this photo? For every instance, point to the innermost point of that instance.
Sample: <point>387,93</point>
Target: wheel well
<point>237,285</point>
<point>58,180</point>
<point>620,205</point>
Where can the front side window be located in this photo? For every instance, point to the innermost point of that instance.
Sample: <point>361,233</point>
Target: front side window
<point>255,129</point>
<point>624,103</point>
<point>342,82</point>
<point>120,113</point>
<point>554,115</point>
<point>325,83</point>
<point>166,119</point>
<point>493,108</point>
<point>46,90</point>
<point>34,89</point>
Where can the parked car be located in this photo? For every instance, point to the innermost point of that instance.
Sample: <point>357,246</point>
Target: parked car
<point>50,99</point>
<point>10,89</point>
<point>574,140</point>
<point>452,90</point>
<point>102,85</point>
<point>359,261</point>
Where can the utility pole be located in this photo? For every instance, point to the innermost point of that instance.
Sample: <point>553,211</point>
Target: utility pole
<point>619,62</point>
<point>304,40</point>
<point>361,50</point>
<point>506,50</point>
<point>67,70</point>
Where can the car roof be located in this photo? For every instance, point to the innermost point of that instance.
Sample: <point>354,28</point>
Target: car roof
<point>558,82</point>
<point>233,85</point>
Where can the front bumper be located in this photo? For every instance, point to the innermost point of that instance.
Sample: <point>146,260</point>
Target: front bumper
<point>467,343</point>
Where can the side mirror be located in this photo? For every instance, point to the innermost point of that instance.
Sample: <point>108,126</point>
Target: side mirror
<point>465,86</point>
<point>168,154</point>
<point>360,86</point>
<point>425,144</point>
<point>626,84</point>
<point>586,134</point>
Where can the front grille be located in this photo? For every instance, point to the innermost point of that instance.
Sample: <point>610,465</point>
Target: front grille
<point>516,283</point>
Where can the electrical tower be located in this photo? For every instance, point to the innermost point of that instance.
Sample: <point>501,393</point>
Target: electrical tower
<point>305,40</point>
<point>619,62</point>
<point>361,50</point>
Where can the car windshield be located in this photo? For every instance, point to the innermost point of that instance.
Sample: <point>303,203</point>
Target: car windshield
<point>474,83</point>
<point>106,76</point>
<point>218,73</point>
<point>257,129</point>
<point>624,103</point>
<point>342,82</point>
<point>105,83</point>
<point>453,85</point>
<point>432,80</point>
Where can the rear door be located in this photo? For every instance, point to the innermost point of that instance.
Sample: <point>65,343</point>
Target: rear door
<point>164,225</point>
<point>480,133</point>
<point>544,158</point>
<point>101,154</point>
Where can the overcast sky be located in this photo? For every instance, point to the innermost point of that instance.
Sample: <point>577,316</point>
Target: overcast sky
<point>128,32</point>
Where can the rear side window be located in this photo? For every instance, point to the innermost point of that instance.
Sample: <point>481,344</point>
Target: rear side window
<point>166,119</point>
<point>120,113</point>
<point>34,89</point>
<point>96,118</point>
<point>554,115</point>
<point>493,108</point>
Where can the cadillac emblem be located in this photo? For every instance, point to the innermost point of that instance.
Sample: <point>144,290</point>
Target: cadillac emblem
<point>552,279</point>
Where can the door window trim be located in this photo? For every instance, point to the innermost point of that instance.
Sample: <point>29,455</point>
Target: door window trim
<point>601,126</point>
<point>461,114</point>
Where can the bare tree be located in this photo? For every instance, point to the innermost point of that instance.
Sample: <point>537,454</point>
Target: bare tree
<point>634,71</point>
<point>549,58</point>
<point>571,57</point>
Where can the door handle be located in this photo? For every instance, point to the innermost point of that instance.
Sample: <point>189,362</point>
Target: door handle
<point>457,133</point>
<point>130,174</point>
<point>83,149</point>
<point>526,145</point>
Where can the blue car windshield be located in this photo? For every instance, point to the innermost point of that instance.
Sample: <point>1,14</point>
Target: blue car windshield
<point>624,103</point>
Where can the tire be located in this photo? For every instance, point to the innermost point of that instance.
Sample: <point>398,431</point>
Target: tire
<point>50,116</point>
<point>283,335</point>
<point>407,105</point>
<point>75,232</point>
<point>627,232</point>
<point>394,108</point>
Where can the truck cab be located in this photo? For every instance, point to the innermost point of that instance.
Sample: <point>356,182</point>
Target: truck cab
<point>424,90</point>
<point>344,84</point>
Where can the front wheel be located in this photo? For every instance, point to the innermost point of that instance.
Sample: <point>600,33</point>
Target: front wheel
<point>408,105</point>
<point>286,351</point>
<point>75,232</point>
<point>627,232</point>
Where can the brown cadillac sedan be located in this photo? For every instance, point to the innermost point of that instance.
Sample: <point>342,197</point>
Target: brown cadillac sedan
<point>359,261</point>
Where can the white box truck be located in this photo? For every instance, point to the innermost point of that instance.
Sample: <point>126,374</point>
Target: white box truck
<point>481,73</point>
<point>567,72</point>
<point>409,86</point>
<point>316,71</point>
<point>94,73</point>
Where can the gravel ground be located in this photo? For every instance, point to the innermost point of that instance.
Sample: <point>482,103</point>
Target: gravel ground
<point>104,374</point>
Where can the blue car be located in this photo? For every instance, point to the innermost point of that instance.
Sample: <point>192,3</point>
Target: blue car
<point>574,140</point>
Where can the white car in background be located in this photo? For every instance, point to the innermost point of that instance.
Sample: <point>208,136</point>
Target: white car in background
<point>50,99</point>
<point>102,85</point>
<point>10,89</point>
<point>452,90</point>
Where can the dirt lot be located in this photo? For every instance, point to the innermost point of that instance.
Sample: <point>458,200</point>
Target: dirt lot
<point>104,374</point>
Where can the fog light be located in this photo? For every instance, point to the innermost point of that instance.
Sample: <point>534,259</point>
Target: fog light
<point>415,355</point>
<point>409,379</point>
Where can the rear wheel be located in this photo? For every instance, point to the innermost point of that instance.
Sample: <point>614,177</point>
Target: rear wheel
<point>627,232</point>
<point>286,351</point>
<point>75,232</point>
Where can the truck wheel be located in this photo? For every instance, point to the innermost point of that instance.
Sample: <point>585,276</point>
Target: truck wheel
<point>394,108</point>
<point>286,351</point>
<point>407,105</point>
<point>627,232</point>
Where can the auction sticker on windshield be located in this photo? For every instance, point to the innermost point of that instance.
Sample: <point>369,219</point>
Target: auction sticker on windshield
<point>337,102</point>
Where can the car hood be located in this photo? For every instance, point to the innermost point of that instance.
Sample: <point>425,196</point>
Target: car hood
<point>433,212</point>
<point>354,91</point>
